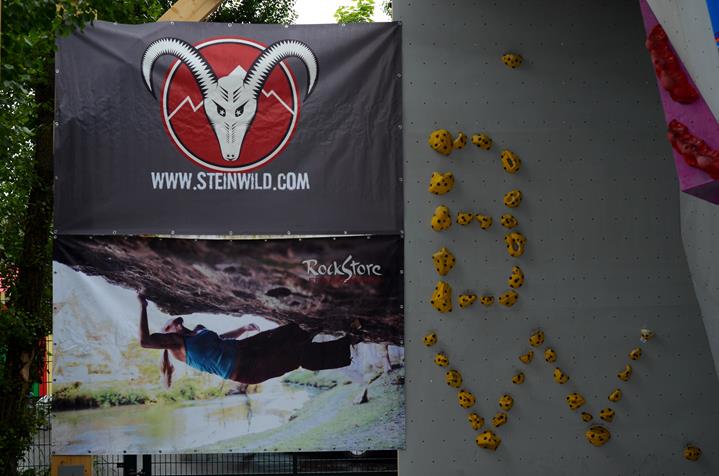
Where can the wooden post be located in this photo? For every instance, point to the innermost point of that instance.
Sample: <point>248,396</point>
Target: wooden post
<point>190,10</point>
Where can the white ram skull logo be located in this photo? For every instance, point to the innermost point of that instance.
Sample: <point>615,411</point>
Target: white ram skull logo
<point>230,102</point>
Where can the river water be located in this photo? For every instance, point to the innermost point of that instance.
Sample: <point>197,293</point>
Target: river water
<point>175,427</point>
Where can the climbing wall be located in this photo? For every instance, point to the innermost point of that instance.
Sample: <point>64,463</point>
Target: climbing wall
<point>604,254</point>
<point>700,232</point>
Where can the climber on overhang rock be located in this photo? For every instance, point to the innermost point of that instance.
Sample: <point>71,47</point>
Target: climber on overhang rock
<point>255,359</point>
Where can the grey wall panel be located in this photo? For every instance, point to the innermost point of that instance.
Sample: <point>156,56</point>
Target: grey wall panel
<point>700,231</point>
<point>604,257</point>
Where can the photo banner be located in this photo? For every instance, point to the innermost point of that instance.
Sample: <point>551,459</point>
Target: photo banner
<point>175,345</point>
<point>221,129</point>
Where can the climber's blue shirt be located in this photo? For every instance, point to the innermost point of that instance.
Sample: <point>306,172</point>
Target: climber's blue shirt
<point>207,352</point>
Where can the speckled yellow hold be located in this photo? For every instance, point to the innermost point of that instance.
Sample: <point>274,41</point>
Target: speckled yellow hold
<point>513,198</point>
<point>475,421</point>
<point>575,400</point>
<point>607,414</point>
<point>506,402</point>
<point>515,242</point>
<point>508,221</point>
<point>550,355</point>
<point>625,374</point>
<point>442,297</point>
<point>597,435</point>
<point>692,453</point>
<point>453,378</point>
<point>460,141</point>
<point>485,221</point>
<point>536,338</point>
<point>511,163</point>
<point>559,376</point>
<point>527,358</point>
<point>443,260</point>
<point>488,440</point>
<point>486,300</point>
<point>442,218</point>
<point>441,359</point>
<point>441,141</point>
<point>516,279</point>
<point>512,60</point>
<point>483,141</point>
<point>466,399</point>
<point>466,300</point>
<point>509,298</point>
<point>499,419</point>
<point>441,183</point>
<point>615,396</point>
<point>518,378</point>
<point>464,218</point>
<point>430,339</point>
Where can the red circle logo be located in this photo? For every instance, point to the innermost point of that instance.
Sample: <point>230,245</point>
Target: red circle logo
<point>230,104</point>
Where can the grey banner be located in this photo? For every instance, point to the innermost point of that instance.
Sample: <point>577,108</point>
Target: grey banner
<point>201,128</point>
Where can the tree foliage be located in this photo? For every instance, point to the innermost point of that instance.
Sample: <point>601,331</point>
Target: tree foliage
<point>256,11</point>
<point>360,12</point>
<point>29,29</point>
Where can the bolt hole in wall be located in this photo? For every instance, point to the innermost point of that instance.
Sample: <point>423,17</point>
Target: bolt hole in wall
<point>578,118</point>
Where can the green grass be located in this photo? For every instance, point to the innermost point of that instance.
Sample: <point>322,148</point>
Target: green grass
<point>310,379</point>
<point>76,397</point>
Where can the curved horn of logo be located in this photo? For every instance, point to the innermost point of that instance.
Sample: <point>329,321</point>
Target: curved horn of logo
<point>188,54</point>
<point>272,55</point>
<point>230,102</point>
